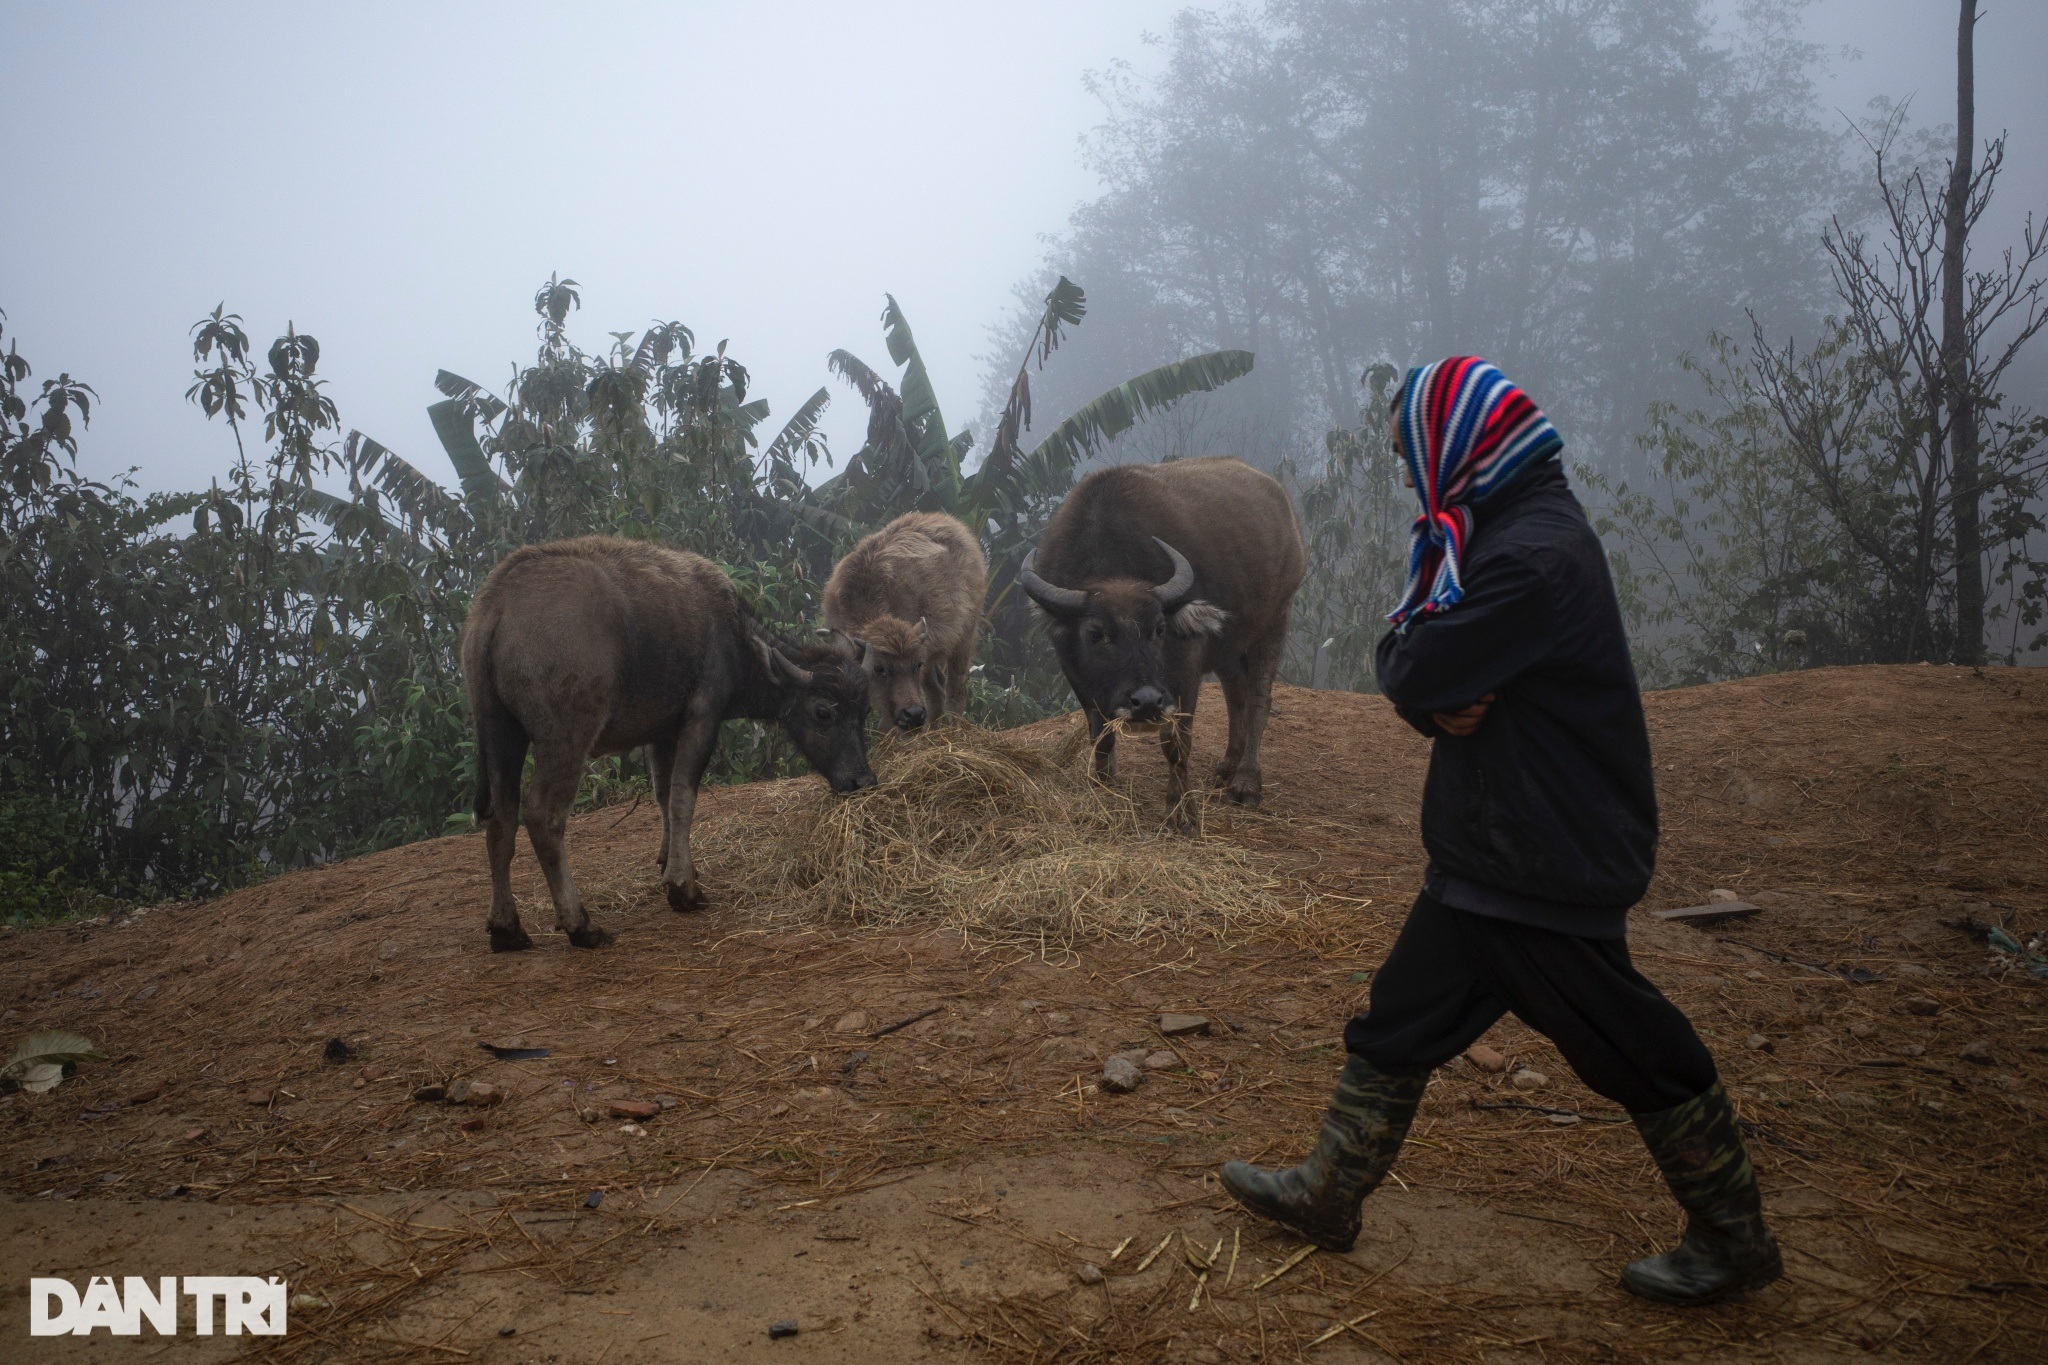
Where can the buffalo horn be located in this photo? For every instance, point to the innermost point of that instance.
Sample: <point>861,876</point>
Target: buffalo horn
<point>1060,601</point>
<point>798,677</point>
<point>1175,590</point>
<point>867,655</point>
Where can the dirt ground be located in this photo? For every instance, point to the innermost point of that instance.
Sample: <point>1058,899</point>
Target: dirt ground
<point>935,1192</point>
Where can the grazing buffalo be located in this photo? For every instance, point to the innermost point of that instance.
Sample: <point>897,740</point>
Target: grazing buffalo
<point>913,592</point>
<point>1152,576</point>
<point>596,646</point>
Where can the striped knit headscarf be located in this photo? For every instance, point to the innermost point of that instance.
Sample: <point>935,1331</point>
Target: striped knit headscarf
<point>1466,431</point>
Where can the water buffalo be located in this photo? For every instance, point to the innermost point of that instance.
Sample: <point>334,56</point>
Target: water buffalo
<point>913,592</point>
<point>1151,576</point>
<point>596,646</point>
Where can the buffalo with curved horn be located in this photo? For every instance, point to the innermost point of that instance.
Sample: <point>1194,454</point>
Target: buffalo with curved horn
<point>1152,576</point>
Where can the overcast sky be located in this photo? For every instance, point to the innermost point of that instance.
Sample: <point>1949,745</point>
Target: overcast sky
<point>397,179</point>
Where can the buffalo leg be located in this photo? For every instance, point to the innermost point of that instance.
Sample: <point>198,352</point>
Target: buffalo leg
<point>1236,688</point>
<point>933,685</point>
<point>1177,742</point>
<point>1104,759</point>
<point>958,671</point>
<point>503,754</point>
<point>1247,785</point>
<point>557,772</point>
<point>661,762</point>
<point>689,758</point>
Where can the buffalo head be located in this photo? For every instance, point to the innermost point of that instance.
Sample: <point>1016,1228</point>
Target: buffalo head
<point>1111,635</point>
<point>899,666</point>
<point>823,704</point>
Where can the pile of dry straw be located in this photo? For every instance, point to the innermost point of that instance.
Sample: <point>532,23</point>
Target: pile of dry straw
<point>1000,834</point>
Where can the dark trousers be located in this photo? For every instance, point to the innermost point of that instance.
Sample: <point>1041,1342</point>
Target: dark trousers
<point>1453,973</point>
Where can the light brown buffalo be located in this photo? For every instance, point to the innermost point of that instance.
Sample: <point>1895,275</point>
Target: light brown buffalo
<point>913,592</point>
<point>1153,575</point>
<point>596,646</point>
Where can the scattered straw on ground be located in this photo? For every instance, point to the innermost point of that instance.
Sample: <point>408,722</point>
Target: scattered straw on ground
<point>1004,835</point>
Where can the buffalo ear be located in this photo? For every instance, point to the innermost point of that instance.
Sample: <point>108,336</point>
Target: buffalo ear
<point>1198,618</point>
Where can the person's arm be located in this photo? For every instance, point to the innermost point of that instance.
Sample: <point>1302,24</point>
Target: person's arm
<point>1420,720</point>
<point>1448,662</point>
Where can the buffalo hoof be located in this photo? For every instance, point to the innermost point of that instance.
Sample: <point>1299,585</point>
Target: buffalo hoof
<point>1244,793</point>
<point>685,897</point>
<point>513,940</point>
<point>590,936</point>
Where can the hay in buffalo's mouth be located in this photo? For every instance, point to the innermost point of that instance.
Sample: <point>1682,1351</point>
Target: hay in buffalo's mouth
<point>1002,834</point>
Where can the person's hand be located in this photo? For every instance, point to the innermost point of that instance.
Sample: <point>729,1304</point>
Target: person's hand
<point>1463,723</point>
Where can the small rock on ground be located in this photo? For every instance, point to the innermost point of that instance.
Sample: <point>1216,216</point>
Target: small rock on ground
<point>1486,1059</point>
<point>1121,1076</point>
<point>1181,1025</point>
<point>1862,1030</point>
<point>1978,1052</point>
<point>856,1022</point>
<point>784,1328</point>
<point>1920,1004</point>
<point>1161,1060</point>
<point>1528,1078</point>
<point>1759,1043</point>
<point>1089,1273</point>
<point>635,1109</point>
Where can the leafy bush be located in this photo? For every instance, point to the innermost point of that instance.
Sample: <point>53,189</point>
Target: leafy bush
<point>202,688</point>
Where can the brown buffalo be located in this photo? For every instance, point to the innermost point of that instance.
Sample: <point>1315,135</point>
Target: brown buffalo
<point>596,646</point>
<point>1152,576</point>
<point>913,592</point>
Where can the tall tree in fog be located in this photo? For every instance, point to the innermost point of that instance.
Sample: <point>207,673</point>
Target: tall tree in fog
<point>1955,377</point>
<point>1577,189</point>
<point>1867,492</point>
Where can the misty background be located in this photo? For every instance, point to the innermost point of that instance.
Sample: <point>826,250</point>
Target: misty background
<point>622,270</point>
<point>397,179</point>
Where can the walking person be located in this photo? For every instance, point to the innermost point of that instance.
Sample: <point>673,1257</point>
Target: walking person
<point>1540,819</point>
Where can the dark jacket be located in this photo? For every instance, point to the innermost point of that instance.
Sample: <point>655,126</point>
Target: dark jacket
<point>1547,814</point>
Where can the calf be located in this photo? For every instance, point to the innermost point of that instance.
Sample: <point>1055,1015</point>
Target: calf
<point>913,592</point>
<point>596,646</point>
<point>1152,576</point>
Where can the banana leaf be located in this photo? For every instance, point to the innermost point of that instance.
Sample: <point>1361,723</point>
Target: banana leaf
<point>1115,412</point>
<point>457,432</point>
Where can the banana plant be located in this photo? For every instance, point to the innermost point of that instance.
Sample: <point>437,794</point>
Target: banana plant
<point>908,461</point>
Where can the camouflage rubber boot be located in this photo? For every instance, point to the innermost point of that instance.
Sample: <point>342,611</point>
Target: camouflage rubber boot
<point>1726,1248</point>
<point>1362,1133</point>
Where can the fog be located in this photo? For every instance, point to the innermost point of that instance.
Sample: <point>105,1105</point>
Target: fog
<point>398,179</point>
<point>1664,218</point>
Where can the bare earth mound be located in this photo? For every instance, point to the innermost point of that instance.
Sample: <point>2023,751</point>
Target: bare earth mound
<point>930,1191</point>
